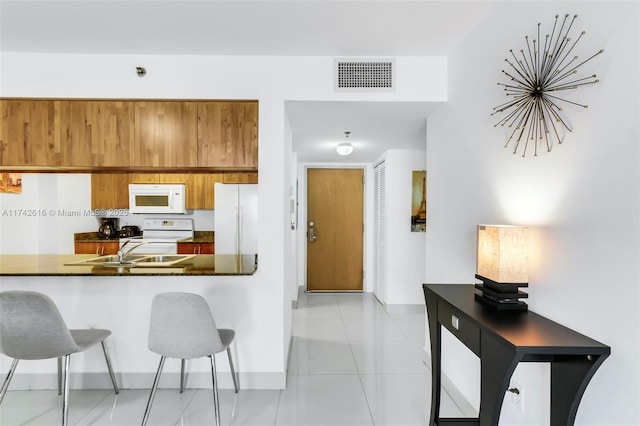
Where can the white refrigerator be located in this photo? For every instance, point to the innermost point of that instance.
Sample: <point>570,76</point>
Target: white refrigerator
<point>236,218</point>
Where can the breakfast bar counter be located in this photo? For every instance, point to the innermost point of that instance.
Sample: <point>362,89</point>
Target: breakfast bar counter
<point>119,299</point>
<point>58,265</point>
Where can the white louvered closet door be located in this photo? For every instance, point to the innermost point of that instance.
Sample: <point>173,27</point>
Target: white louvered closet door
<point>379,213</point>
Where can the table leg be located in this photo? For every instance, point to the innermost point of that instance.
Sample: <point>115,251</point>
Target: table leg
<point>497,363</point>
<point>570,375</point>
<point>435,338</point>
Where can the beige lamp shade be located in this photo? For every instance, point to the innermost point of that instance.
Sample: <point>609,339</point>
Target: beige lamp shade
<point>502,253</point>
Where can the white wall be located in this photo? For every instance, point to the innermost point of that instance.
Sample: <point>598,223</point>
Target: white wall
<point>581,199</point>
<point>405,250</point>
<point>258,306</point>
<point>42,219</point>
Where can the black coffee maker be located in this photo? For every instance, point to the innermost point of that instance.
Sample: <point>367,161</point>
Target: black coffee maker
<point>108,227</point>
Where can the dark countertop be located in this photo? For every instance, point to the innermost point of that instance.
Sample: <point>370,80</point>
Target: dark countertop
<point>55,265</point>
<point>202,237</point>
<point>92,237</point>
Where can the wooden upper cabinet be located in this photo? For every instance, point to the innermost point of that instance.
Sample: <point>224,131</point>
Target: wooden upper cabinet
<point>125,134</point>
<point>59,133</point>
<point>199,187</point>
<point>144,178</point>
<point>98,133</point>
<point>110,190</point>
<point>165,134</point>
<point>228,134</point>
<point>242,177</point>
<point>30,133</point>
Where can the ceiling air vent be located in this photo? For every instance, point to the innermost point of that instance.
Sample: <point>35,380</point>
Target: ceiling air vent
<point>362,75</point>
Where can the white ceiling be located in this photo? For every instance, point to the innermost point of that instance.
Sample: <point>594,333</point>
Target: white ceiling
<point>263,27</point>
<point>375,127</point>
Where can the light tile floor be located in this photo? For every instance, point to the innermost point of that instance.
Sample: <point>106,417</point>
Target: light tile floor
<point>351,363</point>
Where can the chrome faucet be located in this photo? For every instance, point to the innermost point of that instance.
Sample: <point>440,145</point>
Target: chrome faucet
<point>122,255</point>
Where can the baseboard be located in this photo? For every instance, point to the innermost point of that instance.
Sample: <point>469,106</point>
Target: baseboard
<point>447,385</point>
<point>288,354</point>
<point>169,380</point>
<point>461,402</point>
<point>404,308</point>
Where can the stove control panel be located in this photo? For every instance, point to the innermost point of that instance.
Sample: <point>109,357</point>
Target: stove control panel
<point>168,224</point>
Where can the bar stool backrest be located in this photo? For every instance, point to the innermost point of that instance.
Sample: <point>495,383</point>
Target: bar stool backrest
<point>182,326</point>
<point>31,327</point>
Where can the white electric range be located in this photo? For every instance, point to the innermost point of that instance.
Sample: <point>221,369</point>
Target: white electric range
<point>159,236</point>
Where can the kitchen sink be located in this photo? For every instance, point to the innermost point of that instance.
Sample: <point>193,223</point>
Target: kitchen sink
<point>133,260</point>
<point>162,260</point>
<point>101,260</point>
<point>165,258</point>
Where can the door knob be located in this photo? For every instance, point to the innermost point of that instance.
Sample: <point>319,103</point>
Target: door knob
<point>310,233</point>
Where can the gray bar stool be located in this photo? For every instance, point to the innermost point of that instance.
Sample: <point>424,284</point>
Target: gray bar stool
<point>31,327</point>
<point>182,327</point>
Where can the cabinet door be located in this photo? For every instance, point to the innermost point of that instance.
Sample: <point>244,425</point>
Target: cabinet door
<point>207,248</point>
<point>85,248</point>
<point>195,248</point>
<point>228,134</point>
<point>165,134</point>
<point>199,187</point>
<point>144,178</point>
<point>187,248</point>
<point>241,177</point>
<point>99,248</point>
<point>98,133</point>
<point>30,133</point>
<point>110,191</point>
<point>111,247</point>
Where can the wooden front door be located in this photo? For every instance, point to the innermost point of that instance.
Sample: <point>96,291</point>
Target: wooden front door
<point>335,229</point>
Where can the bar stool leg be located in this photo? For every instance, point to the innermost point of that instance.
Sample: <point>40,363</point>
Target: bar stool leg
<point>59,375</point>
<point>182,375</point>
<point>113,377</point>
<point>216,400</point>
<point>5,385</point>
<point>233,371</point>
<point>147,410</point>
<point>65,391</point>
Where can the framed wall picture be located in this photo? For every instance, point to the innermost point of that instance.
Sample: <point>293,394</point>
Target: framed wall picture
<point>419,201</point>
<point>11,183</point>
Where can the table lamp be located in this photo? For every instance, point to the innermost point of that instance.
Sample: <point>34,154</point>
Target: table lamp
<point>502,266</point>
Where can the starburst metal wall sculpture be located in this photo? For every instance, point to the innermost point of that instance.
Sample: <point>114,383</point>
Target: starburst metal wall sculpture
<point>536,81</point>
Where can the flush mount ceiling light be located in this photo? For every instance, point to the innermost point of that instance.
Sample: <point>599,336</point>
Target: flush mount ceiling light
<point>538,76</point>
<point>345,148</point>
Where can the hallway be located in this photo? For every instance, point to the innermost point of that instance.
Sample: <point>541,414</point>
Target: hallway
<point>351,363</point>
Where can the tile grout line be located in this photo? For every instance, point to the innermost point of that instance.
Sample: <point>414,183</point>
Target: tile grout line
<point>90,410</point>
<point>373,422</point>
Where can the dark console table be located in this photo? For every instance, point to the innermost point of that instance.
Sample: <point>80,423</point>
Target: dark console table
<point>502,339</point>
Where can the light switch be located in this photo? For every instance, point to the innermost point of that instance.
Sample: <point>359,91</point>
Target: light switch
<point>455,322</point>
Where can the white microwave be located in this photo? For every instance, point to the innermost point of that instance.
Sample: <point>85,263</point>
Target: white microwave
<point>161,198</point>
